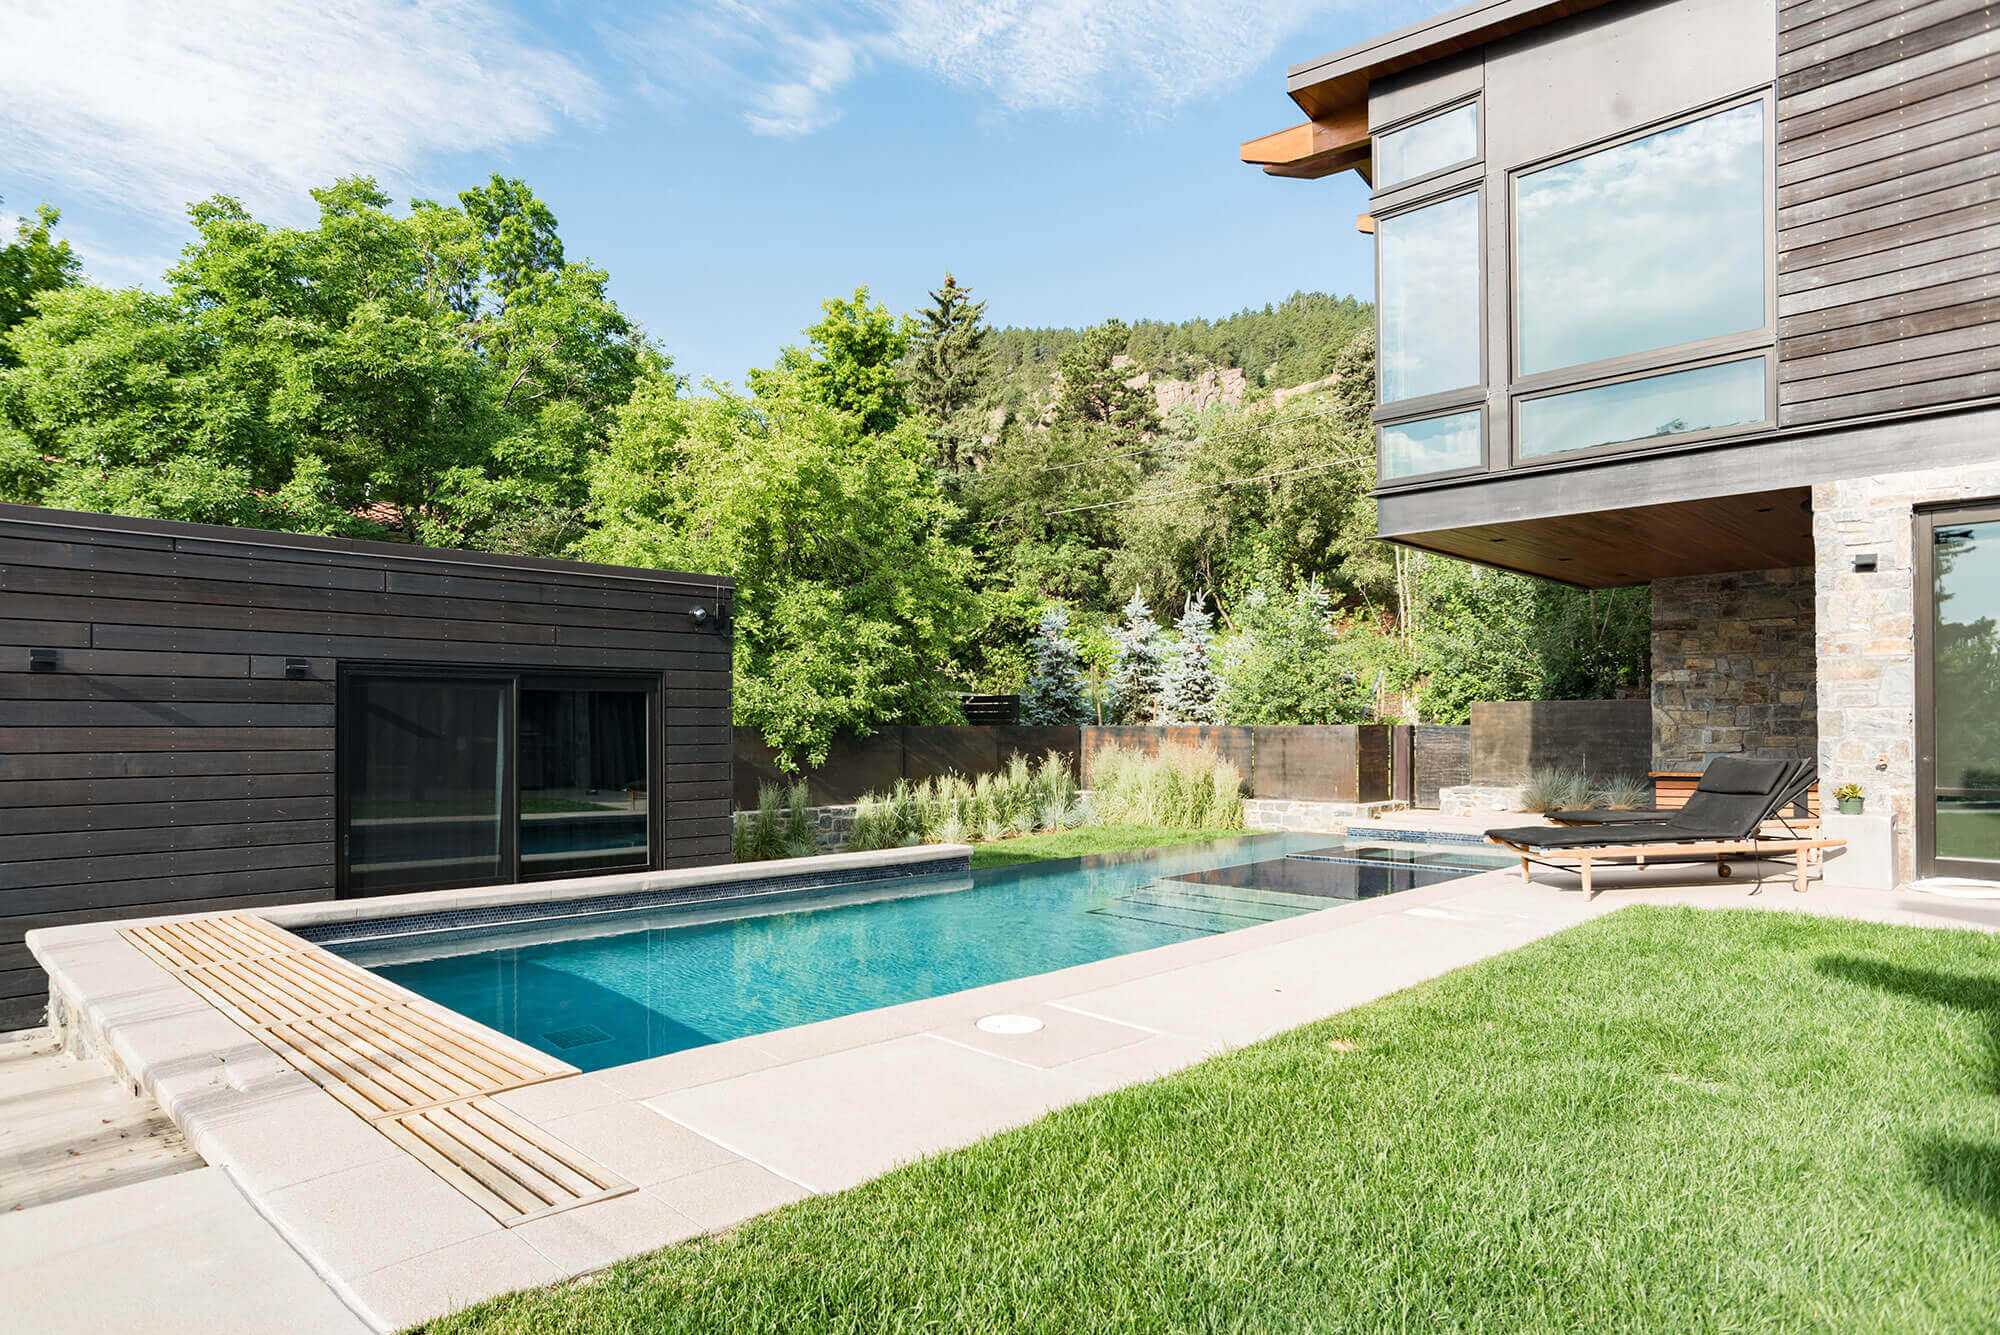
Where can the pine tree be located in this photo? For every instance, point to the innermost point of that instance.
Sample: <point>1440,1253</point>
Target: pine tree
<point>1054,693</point>
<point>1132,694</point>
<point>1190,691</point>
<point>949,362</point>
<point>1094,393</point>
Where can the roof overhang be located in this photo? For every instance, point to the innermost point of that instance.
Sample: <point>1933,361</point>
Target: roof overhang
<point>1714,535</point>
<point>1333,90</point>
<point>1317,148</point>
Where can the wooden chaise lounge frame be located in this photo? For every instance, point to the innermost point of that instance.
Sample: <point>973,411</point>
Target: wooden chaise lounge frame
<point>1801,848</point>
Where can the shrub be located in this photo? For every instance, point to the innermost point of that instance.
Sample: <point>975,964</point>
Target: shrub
<point>1183,787</point>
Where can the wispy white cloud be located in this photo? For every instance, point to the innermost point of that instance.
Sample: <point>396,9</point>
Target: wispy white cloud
<point>789,61</point>
<point>147,106</point>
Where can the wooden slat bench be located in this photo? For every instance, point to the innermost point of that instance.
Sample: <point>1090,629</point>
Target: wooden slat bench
<point>420,1074</point>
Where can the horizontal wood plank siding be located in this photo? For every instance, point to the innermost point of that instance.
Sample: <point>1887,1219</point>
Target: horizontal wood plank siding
<point>169,765</point>
<point>1888,206</point>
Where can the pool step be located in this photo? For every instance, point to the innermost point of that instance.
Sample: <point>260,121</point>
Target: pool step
<point>1193,907</point>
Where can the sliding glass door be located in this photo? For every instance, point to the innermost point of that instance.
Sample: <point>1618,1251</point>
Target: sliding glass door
<point>584,795</point>
<point>1958,693</point>
<point>450,779</point>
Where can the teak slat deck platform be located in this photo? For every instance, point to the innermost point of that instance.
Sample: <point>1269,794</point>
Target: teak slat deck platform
<point>413,1070</point>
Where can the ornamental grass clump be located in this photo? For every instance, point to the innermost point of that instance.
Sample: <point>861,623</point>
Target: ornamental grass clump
<point>1183,787</point>
<point>950,809</point>
<point>1555,788</point>
<point>780,827</point>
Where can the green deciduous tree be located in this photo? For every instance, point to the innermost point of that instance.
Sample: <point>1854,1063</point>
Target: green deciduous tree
<point>33,263</point>
<point>851,601</point>
<point>1282,665</point>
<point>434,373</point>
<point>852,361</point>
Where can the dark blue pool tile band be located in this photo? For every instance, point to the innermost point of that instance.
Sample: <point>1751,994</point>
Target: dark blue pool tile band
<point>1399,834</point>
<point>502,915</point>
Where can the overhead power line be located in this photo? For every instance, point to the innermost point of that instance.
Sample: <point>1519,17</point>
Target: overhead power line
<point>1212,486</point>
<point>1176,444</point>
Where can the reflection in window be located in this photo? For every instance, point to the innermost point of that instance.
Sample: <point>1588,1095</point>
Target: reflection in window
<point>423,776</point>
<point>1429,260</point>
<point>1433,445</point>
<point>1430,145</point>
<point>1965,676</point>
<point>583,780</point>
<point>1645,245</point>
<point>1704,399</point>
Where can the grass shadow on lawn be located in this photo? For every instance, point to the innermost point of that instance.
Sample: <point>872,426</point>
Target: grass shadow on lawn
<point>1966,1172</point>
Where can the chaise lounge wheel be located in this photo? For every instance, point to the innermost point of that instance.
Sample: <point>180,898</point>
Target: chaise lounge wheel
<point>1722,870</point>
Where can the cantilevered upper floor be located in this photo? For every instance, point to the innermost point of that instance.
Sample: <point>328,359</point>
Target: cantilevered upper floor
<point>1647,269</point>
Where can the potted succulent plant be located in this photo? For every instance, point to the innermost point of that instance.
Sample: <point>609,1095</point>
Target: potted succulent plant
<point>1849,797</point>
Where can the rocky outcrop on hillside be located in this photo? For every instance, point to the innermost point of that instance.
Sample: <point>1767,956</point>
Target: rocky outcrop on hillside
<point>1216,385</point>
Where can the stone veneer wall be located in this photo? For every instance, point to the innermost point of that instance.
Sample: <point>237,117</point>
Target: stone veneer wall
<point>1867,634</point>
<point>1733,667</point>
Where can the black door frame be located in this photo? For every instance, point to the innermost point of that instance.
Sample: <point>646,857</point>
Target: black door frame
<point>1924,607</point>
<point>514,679</point>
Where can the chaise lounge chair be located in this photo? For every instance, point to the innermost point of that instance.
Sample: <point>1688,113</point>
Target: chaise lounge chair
<point>1792,823</point>
<point>1723,819</point>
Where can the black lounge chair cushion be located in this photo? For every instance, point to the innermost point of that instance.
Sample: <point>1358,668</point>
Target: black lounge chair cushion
<point>1634,816</point>
<point>1594,836</point>
<point>1741,776</point>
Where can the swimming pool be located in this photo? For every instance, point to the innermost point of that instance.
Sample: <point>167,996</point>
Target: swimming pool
<point>607,989</point>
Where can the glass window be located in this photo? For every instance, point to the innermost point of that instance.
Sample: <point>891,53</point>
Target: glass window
<point>1704,399</point>
<point>1432,445</point>
<point>424,769</point>
<point>1429,262</point>
<point>1427,146</point>
<point>1649,244</point>
<point>583,780</point>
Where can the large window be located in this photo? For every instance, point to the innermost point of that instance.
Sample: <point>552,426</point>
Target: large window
<point>1649,244</point>
<point>491,778</point>
<point>1432,445</point>
<point>1429,286</point>
<point>1707,398</point>
<point>1429,145</point>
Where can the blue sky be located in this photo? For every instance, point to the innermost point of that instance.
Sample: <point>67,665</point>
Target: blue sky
<point>731,164</point>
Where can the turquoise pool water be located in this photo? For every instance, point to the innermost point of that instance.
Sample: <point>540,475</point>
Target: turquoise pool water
<point>605,990</point>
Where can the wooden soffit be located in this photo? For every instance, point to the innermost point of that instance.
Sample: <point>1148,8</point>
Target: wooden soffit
<point>1317,148</point>
<point>1766,530</point>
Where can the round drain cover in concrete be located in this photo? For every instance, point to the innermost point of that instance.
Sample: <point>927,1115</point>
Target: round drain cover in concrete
<point>1010,1024</point>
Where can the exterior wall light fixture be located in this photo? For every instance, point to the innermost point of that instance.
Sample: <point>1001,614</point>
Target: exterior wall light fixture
<point>297,669</point>
<point>43,660</point>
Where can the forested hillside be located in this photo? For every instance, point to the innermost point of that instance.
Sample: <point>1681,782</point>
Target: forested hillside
<point>1127,522</point>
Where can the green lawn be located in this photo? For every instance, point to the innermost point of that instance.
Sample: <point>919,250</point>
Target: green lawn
<point>1089,839</point>
<point>1664,1120</point>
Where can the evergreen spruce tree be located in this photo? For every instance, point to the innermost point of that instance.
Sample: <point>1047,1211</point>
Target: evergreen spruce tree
<point>1190,691</point>
<point>1133,693</point>
<point>948,364</point>
<point>1054,693</point>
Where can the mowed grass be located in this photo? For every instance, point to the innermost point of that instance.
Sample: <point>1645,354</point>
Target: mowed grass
<point>1664,1120</point>
<point>1086,840</point>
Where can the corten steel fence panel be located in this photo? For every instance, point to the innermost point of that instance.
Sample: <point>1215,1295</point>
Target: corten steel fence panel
<point>1604,738</point>
<point>1442,759</point>
<point>1322,763</point>
<point>1231,743</point>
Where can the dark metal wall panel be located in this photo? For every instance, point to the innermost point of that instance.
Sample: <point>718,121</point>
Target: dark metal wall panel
<point>1443,759</point>
<point>1889,206</point>
<point>1605,738</point>
<point>169,764</point>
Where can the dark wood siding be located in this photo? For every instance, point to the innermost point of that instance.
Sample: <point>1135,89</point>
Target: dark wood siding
<point>1888,206</point>
<point>168,764</point>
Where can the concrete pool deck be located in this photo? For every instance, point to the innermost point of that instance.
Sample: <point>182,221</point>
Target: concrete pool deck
<point>304,1196</point>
